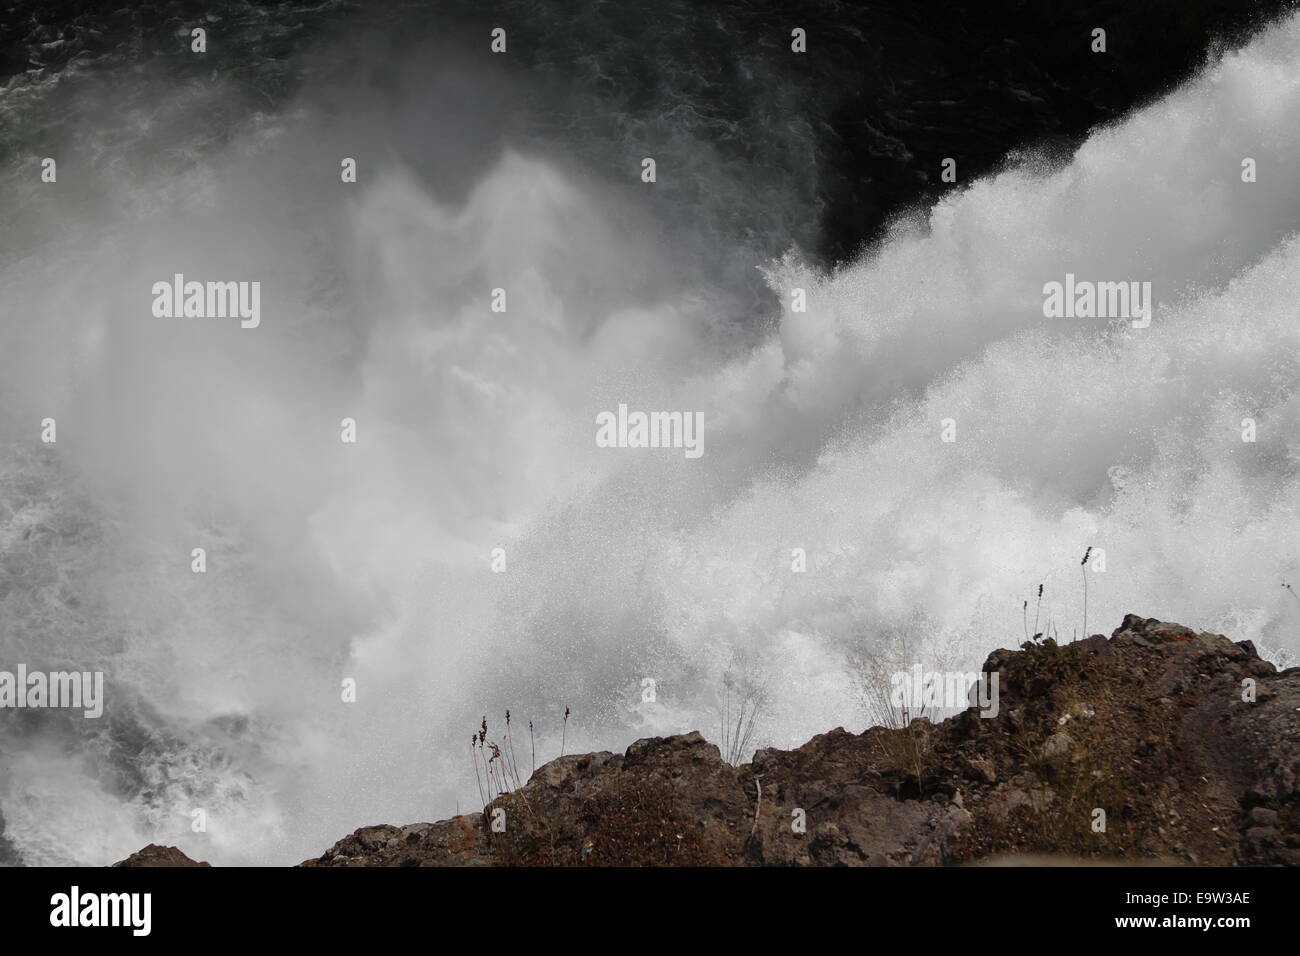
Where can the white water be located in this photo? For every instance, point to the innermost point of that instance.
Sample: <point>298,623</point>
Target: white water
<point>477,430</point>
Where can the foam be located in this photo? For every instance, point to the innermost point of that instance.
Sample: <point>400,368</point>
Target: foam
<point>476,431</point>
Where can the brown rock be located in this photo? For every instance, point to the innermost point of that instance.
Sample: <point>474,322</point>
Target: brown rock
<point>155,855</point>
<point>1160,745</point>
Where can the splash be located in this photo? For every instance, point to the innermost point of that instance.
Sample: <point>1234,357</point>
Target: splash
<point>370,562</point>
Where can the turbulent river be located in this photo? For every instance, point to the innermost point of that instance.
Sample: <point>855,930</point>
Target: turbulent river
<point>823,428</point>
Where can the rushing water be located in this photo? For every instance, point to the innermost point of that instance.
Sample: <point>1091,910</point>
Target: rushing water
<point>371,561</point>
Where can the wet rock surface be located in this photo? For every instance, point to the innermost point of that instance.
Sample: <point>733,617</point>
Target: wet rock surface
<point>155,855</point>
<point>1158,744</point>
<point>1148,728</point>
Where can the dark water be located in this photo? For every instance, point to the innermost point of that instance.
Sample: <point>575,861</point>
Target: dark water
<point>475,166</point>
<point>861,122</point>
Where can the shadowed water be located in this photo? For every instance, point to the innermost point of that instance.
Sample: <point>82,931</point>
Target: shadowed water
<point>822,428</point>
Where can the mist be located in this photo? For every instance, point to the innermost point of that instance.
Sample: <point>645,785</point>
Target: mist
<point>371,562</point>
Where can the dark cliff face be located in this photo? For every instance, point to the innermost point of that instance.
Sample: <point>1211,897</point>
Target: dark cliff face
<point>1148,726</point>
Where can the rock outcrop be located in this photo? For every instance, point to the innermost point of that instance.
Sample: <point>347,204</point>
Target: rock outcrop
<point>1157,744</point>
<point>155,855</point>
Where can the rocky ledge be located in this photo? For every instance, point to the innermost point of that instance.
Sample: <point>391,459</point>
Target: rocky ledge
<point>155,855</point>
<point>1157,744</point>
